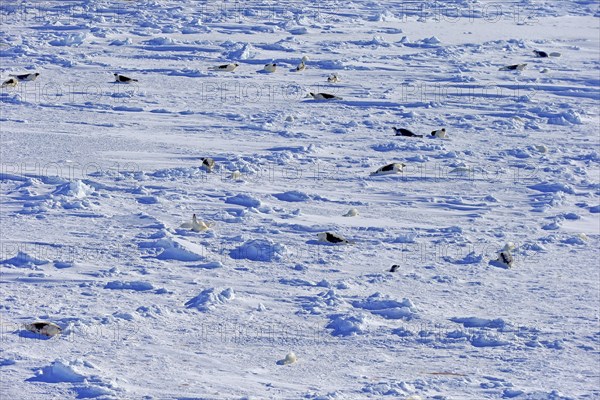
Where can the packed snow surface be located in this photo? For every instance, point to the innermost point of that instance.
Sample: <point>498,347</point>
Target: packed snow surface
<point>98,178</point>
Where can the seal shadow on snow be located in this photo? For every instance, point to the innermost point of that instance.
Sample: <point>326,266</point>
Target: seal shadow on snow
<point>177,48</point>
<point>86,215</point>
<point>31,335</point>
<point>498,264</point>
<point>59,28</point>
<point>320,243</point>
<point>356,103</point>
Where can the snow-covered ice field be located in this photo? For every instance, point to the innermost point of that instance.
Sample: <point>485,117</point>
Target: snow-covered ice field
<point>97,178</point>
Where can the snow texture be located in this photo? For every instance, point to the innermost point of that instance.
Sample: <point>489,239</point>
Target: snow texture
<point>97,178</point>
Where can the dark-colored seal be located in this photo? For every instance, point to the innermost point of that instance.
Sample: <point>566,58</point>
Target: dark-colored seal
<point>225,67</point>
<point>44,328</point>
<point>12,82</point>
<point>514,67</point>
<point>332,238</point>
<point>405,132</point>
<point>124,79</point>
<point>208,162</point>
<point>324,96</point>
<point>389,169</point>
<point>506,258</point>
<point>27,77</point>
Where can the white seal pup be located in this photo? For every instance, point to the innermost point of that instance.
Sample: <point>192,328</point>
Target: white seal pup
<point>394,168</point>
<point>27,77</point>
<point>225,67</point>
<point>124,79</point>
<point>353,212</point>
<point>324,96</point>
<point>290,358</point>
<point>302,65</point>
<point>271,67</point>
<point>196,226</point>
<point>440,133</point>
<point>236,175</point>
<point>49,329</point>
<point>332,238</point>
<point>514,67</point>
<point>10,82</point>
<point>405,132</point>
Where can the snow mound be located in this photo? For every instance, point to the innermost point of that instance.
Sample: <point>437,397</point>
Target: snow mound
<point>69,40</point>
<point>63,264</point>
<point>546,201</point>
<point>519,153</point>
<point>71,195</point>
<point>408,237</point>
<point>471,258</point>
<point>208,299</point>
<point>296,282</point>
<point>174,173</point>
<point>384,16</point>
<point>407,146</point>
<point>322,302</point>
<point>209,265</point>
<point>23,259</point>
<point>60,371</point>
<point>139,286</point>
<point>173,249</point>
<point>244,200</point>
<point>548,187</point>
<point>147,200</point>
<point>432,40</point>
<point>487,340</point>
<point>376,41</point>
<point>388,308</point>
<point>347,325</point>
<point>118,42</point>
<point>292,196</point>
<point>76,189</point>
<point>189,72</point>
<point>535,395</point>
<point>161,41</point>
<point>302,30</point>
<point>7,361</point>
<point>566,118</point>
<point>77,372</point>
<point>475,322</point>
<point>576,240</point>
<point>259,250</point>
<point>389,389</point>
<point>384,147</point>
<point>240,51</point>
